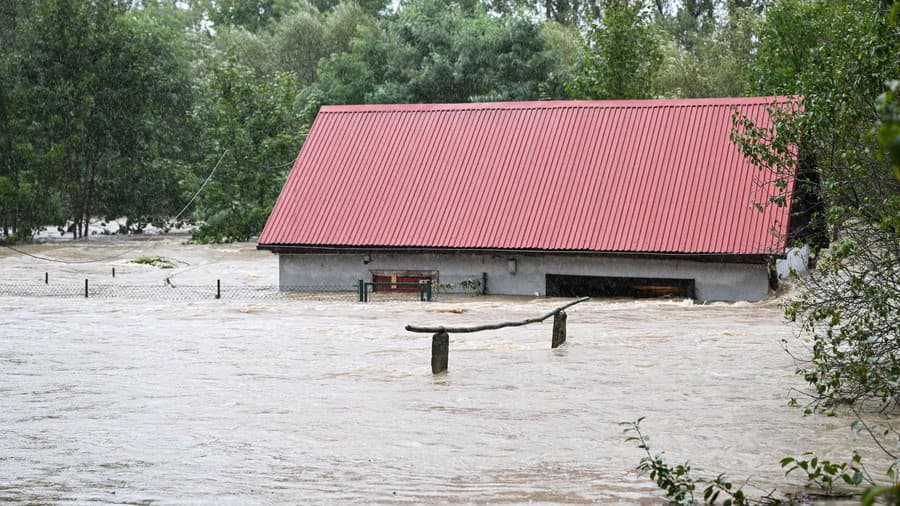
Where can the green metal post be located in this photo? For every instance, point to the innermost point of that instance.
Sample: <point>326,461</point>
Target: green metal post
<point>359,290</point>
<point>428,290</point>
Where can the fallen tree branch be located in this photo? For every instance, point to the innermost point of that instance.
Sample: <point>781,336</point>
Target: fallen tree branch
<point>492,326</point>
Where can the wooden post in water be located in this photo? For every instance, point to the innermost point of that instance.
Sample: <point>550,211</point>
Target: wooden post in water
<point>440,341</point>
<point>559,329</point>
<point>440,351</point>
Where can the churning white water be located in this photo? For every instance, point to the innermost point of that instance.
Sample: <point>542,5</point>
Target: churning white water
<point>296,401</point>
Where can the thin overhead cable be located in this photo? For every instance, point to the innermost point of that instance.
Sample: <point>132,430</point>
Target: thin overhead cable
<point>47,259</point>
<point>208,178</point>
<point>201,186</point>
<point>286,164</point>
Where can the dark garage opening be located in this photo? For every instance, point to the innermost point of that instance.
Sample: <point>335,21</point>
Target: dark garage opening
<point>559,285</point>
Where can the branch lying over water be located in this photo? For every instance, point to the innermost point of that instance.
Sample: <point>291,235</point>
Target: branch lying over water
<point>493,326</point>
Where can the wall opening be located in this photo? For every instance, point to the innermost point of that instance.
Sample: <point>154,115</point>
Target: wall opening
<point>386,276</point>
<point>559,285</point>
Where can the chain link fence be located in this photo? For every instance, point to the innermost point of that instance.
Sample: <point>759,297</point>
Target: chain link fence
<point>218,290</point>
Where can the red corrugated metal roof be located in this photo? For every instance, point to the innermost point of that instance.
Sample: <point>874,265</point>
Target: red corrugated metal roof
<point>616,176</point>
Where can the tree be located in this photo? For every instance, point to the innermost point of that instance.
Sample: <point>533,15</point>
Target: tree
<point>790,41</point>
<point>108,92</point>
<point>259,123</point>
<point>254,15</point>
<point>889,129</point>
<point>570,12</point>
<point>623,55</point>
<point>153,113</point>
<point>294,43</point>
<point>70,45</point>
<point>431,52</point>
<point>23,208</point>
<point>840,60</point>
<point>686,20</point>
<point>368,7</point>
<point>719,63</point>
<point>301,39</point>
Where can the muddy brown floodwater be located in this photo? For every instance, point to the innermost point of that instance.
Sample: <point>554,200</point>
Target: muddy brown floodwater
<point>286,402</point>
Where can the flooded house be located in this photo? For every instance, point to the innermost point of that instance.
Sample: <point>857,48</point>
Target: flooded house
<point>556,198</point>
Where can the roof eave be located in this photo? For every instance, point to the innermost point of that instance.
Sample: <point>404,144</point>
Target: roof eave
<point>299,249</point>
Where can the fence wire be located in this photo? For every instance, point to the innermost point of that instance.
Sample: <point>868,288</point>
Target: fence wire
<point>75,289</point>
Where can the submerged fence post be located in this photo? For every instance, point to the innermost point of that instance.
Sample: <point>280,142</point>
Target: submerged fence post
<point>114,272</point>
<point>359,289</point>
<point>428,290</point>
<point>218,288</point>
<point>46,278</point>
<point>440,340</point>
<point>85,288</point>
<point>559,329</point>
<point>440,351</point>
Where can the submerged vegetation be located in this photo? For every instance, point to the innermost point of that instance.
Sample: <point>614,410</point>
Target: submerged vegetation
<point>826,480</point>
<point>155,261</point>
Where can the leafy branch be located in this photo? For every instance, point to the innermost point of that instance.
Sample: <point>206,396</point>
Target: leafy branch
<point>677,481</point>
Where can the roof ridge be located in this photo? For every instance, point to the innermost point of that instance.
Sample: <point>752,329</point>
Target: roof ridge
<point>560,104</point>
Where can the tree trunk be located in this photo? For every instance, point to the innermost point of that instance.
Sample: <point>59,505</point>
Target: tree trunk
<point>89,195</point>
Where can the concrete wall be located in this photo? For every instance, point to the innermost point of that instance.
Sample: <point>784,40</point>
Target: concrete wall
<point>713,281</point>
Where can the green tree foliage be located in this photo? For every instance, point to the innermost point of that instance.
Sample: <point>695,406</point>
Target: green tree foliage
<point>144,185</point>
<point>431,52</point>
<point>258,123</point>
<point>112,108</point>
<point>254,15</point>
<point>566,50</point>
<point>254,50</point>
<point>719,63</point>
<point>624,55</point>
<point>23,207</point>
<point>791,36</point>
<point>850,305</point>
<point>102,98</point>
<point>687,20</point>
<point>303,38</point>
<point>889,129</point>
<point>569,12</point>
<point>369,7</point>
<point>300,41</point>
<point>828,478</point>
<point>295,43</point>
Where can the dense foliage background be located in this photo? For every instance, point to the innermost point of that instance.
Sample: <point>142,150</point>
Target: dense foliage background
<point>122,108</point>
